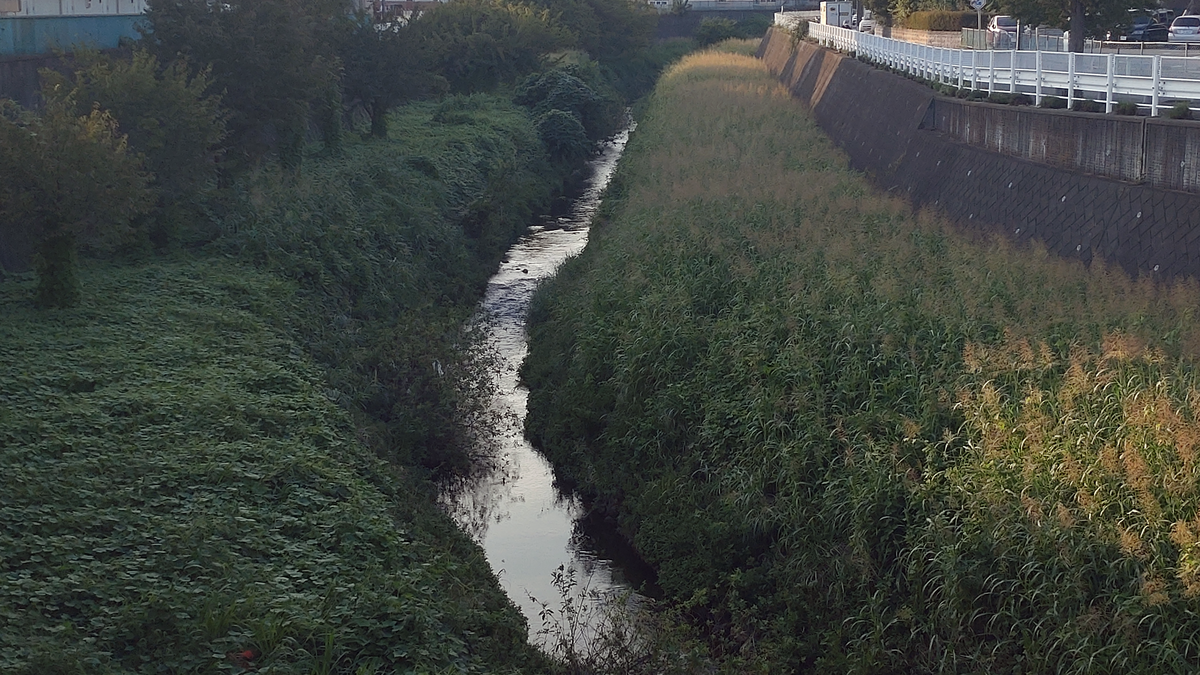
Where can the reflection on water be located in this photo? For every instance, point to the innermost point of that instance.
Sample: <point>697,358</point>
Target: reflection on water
<point>527,527</point>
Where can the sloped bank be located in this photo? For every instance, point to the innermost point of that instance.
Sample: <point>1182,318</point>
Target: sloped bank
<point>851,439</point>
<point>913,142</point>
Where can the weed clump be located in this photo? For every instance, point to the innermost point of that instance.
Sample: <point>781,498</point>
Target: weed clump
<point>1180,111</point>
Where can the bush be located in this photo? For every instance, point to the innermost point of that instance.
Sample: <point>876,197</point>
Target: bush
<point>1001,97</point>
<point>576,89</point>
<point>1126,108</point>
<point>1180,111</point>
<point>754,26</point>
<point>939,20</point>
<point>1020,99</point>
<point>563,134</point>
<point>712,31</point>
<point>67,178</point>
<point>1088,105</point>
<point>1053,102</point>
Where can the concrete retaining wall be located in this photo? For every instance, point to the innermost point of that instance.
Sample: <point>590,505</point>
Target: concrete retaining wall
<point>888,127</point>
<point>1160,152</point>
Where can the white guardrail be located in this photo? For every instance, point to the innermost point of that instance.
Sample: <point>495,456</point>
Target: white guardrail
<point>1156,82</point>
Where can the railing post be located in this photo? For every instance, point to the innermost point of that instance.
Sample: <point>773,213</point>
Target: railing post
<point>1070,80</point>
<point>1157,68</point>
<point>1112,68</point>
<point>1012,72</point>
<point>1037,87</point>
<point>992,72</point>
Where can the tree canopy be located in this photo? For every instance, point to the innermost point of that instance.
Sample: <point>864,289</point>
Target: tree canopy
<point>269,59</point>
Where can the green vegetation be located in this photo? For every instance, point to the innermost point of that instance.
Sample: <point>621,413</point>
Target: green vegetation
<point>1180,111</point>
<point>939,20</point>
<point>66,177</point>
<point>1126,108</point>
<point>851,439</point>
<point>1054,102</point>
<point>179,486</point>
<point>391,244</point>
<point>712,31</point>
<point>241,358</point>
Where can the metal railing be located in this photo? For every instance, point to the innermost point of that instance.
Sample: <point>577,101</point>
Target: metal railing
<point>1152,81</point>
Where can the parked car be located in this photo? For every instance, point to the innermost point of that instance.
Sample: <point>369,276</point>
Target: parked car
<point>1146,29</point>
<point>1185,29</point>
<point>1002,31</point>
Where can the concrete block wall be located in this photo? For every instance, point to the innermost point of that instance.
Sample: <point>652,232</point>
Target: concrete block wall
<point>887,125</point>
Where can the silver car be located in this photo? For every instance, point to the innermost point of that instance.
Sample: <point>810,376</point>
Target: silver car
<point>1184,29</point>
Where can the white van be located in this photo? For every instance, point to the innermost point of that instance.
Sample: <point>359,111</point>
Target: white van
<point>867,25</point>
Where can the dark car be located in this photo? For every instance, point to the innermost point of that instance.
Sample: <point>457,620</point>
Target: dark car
<point>1145,29</point>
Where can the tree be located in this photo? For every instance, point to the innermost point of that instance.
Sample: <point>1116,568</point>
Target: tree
<point>1081,17</point>
<point>578,91</point>
<point>166,116</point>
<point>606,29</point>
<point>477,45</point>
<point>67,178</point>
<point>270,59</point>
<point>383,67</point>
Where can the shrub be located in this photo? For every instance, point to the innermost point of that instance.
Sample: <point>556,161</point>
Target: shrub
<point>1054,102</point>
<point>563,134</point>
<point>938,20</point>
<point>1180,111</point>
<point>1126,108</point>
<point>67,179</point>
<point>754,26</point>
<point>1088,105</point>
<point>1001,97</point>
<point>712,31</point>
<point>597,107</point>
<point>1020,99</point>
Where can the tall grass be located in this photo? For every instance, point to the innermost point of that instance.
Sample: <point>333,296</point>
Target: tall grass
<point>853,438</point>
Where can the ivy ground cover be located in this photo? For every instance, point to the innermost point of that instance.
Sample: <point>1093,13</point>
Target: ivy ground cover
<point>179,494</point>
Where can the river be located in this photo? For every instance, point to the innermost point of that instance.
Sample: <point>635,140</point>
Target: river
<point>526,525</point>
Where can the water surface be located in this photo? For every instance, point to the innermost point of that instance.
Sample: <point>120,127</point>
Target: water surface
<point>527,527</point>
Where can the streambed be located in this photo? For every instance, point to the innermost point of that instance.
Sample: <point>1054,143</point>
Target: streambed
<point>526,525</point>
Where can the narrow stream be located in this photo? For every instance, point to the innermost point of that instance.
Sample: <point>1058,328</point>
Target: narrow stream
<point>527,527</point>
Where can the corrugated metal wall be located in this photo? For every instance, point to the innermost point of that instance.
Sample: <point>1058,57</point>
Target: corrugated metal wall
<point>42,35</point>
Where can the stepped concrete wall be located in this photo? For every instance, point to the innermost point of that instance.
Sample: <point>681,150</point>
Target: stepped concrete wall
<point>1064,195</point>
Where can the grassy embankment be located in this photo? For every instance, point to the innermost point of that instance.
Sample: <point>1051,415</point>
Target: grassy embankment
<point>178,482</point>
<point>853,440</point>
